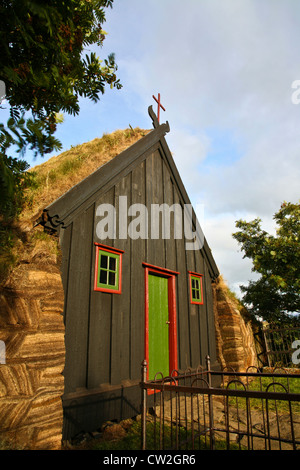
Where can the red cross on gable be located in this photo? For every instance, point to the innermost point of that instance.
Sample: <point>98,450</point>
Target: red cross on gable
<point>159,105</point>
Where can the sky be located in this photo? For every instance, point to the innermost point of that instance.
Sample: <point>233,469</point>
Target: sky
<point>225,71</point>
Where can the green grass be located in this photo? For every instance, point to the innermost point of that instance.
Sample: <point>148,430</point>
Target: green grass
<point>7,254</point>
<point>132,440</point>
<point>67,166</point>
<point>279,384</point>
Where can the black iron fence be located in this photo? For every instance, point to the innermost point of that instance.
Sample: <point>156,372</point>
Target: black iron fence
<point>280,345</point>
<point>206,409</point>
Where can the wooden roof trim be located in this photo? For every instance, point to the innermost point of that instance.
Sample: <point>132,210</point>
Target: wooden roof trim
<point>83,190</point>
<point>63,209</point>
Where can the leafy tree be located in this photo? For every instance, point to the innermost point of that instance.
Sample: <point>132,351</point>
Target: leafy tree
<point>276,294</point>
<point>45,72</point>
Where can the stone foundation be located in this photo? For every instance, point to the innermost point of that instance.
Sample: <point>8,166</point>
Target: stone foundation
<point>31,380</point>
<point>32,330</point>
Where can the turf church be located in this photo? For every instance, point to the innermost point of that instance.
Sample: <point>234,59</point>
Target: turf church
<point>129,295</point>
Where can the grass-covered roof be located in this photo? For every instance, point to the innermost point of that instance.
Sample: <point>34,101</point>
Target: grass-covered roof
<point>25,242</point>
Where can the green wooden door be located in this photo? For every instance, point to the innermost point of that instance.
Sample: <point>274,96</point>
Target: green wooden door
<point>158,333</point>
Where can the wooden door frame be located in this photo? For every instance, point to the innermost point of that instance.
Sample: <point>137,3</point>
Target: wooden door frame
<point>171,276</point>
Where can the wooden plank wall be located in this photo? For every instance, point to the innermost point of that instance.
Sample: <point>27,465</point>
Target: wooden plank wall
<point>105,332</point>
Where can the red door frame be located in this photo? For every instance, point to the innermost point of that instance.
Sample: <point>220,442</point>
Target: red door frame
<point>170,275</point>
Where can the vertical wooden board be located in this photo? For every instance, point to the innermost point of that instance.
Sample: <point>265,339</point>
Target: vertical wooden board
<point>210,319</point>
<point>202,320</point>
<point>183,305</point>
<point>154,195</point>
<point>76,338</point>
<point>202,309</point>
<point>120,336</point>
<point>170,246</point>
<point>65,244</point>
<point>138,256</point>
<point>194,315</point>
<point>191,256</point>
<point>100,322</point>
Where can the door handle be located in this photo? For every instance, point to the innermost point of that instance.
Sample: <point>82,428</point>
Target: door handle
<point>168,323</point>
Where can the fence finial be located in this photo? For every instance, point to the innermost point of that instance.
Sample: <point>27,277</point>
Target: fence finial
<point>144,403</point>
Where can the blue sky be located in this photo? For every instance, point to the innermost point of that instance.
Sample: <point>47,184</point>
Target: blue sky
<point>224,70</point>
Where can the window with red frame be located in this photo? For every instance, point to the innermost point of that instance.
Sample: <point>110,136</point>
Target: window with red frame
<point>196,288</point>
<point>108,269</point>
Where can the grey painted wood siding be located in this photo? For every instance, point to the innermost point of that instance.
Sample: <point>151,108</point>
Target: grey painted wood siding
<point>105,332</point>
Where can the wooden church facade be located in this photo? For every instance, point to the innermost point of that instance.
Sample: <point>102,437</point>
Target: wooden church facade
<point>128,298</point>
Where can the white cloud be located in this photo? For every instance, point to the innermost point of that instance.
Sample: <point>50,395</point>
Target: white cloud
<point>218,230</point>
<point>189,150</point>
<point>222,67</point>
<point>229,65</point>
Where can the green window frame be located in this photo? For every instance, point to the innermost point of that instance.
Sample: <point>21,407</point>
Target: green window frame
<point>108,269</point>
<point>196,288</point>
